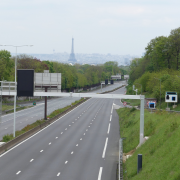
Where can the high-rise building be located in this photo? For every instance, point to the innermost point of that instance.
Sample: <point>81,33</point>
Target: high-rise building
<point>72,58</point>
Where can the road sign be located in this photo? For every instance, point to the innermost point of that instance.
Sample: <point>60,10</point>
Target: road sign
<point>151,102</point>
<point>152,105</point>
<point>124,103</point>
<point>171,97</point>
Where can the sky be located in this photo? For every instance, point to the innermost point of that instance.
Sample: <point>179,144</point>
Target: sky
<point>98,26</point>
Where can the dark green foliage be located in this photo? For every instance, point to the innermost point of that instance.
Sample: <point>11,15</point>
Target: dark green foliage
<point>161,53</point>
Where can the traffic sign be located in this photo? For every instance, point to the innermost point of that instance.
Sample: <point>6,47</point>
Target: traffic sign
<point>124,103</point>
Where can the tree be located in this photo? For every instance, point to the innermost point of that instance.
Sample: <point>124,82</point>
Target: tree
<point>6,66</point>
<point>175,44</point>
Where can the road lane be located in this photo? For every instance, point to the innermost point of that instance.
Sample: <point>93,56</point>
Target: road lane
<point>54,151</point>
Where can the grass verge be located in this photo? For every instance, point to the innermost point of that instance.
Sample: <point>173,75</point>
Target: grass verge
<point>9,137</point>
<point>160,152</point>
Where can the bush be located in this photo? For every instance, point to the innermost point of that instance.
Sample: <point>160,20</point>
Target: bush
<point>7,137</point>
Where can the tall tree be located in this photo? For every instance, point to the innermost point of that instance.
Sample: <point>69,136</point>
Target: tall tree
<point>175,44</point>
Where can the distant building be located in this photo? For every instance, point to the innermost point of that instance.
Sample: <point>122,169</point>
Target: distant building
<point>72,58</point>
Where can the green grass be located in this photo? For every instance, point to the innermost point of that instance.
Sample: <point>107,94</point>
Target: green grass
<point>9,137</point>
<point>161,153</point>
<point>132,102</point>
<point>6,107</point>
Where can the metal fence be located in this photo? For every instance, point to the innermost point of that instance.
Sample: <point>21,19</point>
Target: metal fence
<point>7,86</point>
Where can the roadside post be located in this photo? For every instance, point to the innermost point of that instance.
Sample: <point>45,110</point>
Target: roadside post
<point>142,120</point>
<point>139,163</point>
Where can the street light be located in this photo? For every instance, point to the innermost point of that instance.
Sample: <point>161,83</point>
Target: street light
<point>141,87</point>
<point>15,85</point>
<point>160,90</point>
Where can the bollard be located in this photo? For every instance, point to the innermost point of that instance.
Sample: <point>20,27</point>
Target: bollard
<point>139,163</point>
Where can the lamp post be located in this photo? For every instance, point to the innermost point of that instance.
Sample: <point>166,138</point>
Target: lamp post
<point>15,85</point>
<point>160,90</point>
<point>141,87</point>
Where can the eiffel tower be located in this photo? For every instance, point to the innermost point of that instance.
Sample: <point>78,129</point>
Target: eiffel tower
<point>72,58</point>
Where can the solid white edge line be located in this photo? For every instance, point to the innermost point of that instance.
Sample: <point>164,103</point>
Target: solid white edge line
<point>110,117</point>
<point>104,151</point>
<point>42,129</point>
<point>100,173</point>
<point>108,128</point>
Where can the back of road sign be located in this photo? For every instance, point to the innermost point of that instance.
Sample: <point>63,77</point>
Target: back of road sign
<point>106,81</point>
<point>25,82</point>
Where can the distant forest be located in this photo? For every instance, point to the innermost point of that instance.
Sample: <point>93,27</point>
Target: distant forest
<point>76,76</point>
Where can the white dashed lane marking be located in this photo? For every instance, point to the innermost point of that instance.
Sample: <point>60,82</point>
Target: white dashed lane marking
<point>100,173</point>
<point>110,117</point>
<point>61,132</point>
<point>108,128</point>
<point>76,144</point>
<point>72,152</point>
<point>50,143</point>
<point>58,174</point>
<point>66,162</point>
<point>41,151</point>
<point>104,151</point>
<point>31,160</point>
<point>18,172</point>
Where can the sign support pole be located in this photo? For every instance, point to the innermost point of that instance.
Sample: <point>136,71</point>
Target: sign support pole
<point>45,106</point>
<point>142,120</point>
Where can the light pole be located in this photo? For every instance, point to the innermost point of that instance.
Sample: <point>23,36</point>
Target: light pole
<point>160,90</point>
<point>141,87</point>
<point>15,86</point>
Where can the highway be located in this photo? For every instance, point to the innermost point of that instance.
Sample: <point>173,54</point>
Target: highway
<point>30,115</point>
<point>81,145</point>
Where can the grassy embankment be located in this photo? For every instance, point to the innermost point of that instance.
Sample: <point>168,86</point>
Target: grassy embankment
<point>9,137</point>
<point>161,152</point>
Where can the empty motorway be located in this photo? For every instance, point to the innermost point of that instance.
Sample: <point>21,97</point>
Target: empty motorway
<point>81,145</point>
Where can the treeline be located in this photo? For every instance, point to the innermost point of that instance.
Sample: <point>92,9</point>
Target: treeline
<point>161,53</point>
<point>159,64</point>
<point>76,76</point>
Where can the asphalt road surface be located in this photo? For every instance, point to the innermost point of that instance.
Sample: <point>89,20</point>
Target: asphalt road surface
<point>81,145</point>
<point>30,115</point>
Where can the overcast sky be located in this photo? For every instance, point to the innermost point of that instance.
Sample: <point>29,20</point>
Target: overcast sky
<point>98,26</point>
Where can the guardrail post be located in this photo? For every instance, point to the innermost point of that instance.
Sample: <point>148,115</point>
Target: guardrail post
<point>142,120</point>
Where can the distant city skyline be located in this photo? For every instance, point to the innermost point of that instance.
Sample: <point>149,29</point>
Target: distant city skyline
<point>82,58</point>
